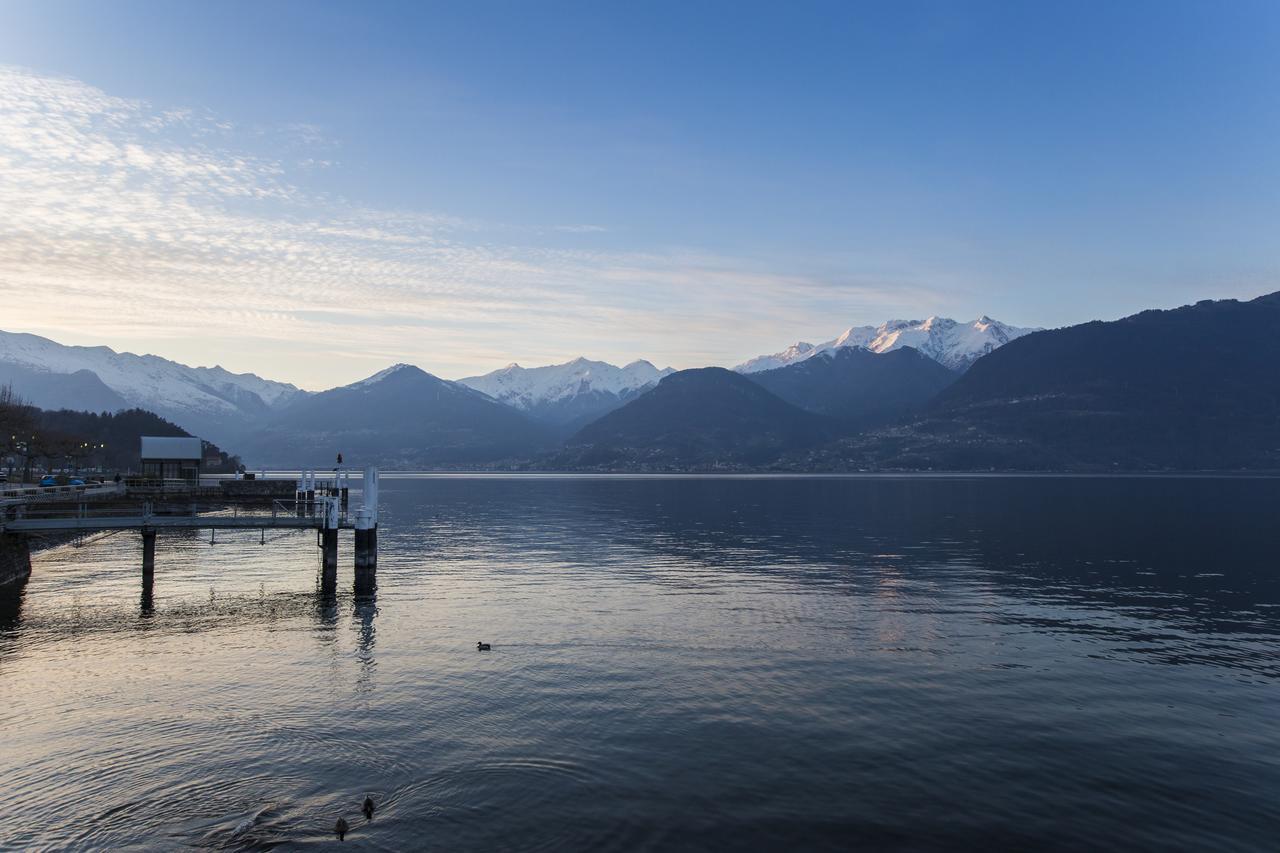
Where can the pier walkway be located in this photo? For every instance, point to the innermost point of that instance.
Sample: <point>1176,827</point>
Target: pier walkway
<point>317,505</point>
<point>57,517</point>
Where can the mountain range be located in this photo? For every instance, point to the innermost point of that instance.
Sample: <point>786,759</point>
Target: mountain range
<point>951,344</point>
<point>695,418</point>
<point>399,417</point>
<point>1197,387</point>
<point>227,407</point>
<point>208,401</point>
<point>859,387</point>
<point>1193,388</point>
<point>567,396</point>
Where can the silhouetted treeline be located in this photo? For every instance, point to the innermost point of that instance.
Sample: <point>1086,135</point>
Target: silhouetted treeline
<point>112,439</point>
<point>37,440</point>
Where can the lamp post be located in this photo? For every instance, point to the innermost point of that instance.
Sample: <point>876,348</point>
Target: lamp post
<point>25,447</point>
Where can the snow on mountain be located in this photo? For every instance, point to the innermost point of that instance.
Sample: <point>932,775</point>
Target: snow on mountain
<point>954,345</point>
<point>796,352</point>
<point>528,387</point>
<point>401,373</point>
<point>173,390</point>
<point>385,373</point>
<point>401,417</point>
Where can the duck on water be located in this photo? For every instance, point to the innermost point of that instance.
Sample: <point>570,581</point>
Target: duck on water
<point>341,828</point>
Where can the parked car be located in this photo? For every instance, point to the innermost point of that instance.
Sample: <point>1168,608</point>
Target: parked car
<point>49,480</point>
<point>75,481</point>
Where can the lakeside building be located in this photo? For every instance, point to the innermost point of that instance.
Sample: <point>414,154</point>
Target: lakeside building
<point>171,458</point>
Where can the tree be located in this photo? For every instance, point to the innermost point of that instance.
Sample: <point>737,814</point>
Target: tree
<point>17,426</point>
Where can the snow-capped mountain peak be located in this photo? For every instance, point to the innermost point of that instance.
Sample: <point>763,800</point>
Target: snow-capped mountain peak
<point>166,387</point>
<point>381,375</point>
<point>643,367</point>
<point>796,352</point>
<point>952,344</point>
<point>532,388</point>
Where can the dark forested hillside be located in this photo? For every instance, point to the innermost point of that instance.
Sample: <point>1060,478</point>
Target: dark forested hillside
<point>402,417</point>
<point>111,440</point>
<point>32,439</point>
<point>860,387</point>
<point>1193,388</point>
<point>704,417</point>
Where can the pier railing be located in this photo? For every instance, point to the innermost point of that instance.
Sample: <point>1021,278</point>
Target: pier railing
<point>35,494</point>
<point>316,505</point>
<point>247,513</point>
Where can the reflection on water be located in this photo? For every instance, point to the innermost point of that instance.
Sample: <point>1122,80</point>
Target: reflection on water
<point>907,663</point>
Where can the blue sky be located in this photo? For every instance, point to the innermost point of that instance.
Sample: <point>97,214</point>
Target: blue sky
<point>330,187</point>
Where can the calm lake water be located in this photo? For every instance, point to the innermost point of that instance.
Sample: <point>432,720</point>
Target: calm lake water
<point>711,664</point>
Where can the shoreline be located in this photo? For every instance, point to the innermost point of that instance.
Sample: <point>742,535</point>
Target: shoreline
<point>409,473</point>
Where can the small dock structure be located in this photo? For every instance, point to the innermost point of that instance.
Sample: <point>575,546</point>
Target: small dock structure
<point>320,505</point>
<point>171,458</point>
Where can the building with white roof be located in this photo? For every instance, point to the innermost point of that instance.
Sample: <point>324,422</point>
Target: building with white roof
<point>171,458</point>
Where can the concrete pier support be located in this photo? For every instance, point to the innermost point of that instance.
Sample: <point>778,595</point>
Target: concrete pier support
<point>329,561</point>
<point>329,547</point>
<point>366,542</point>
<point>366,536</point>
<point>148,565</point>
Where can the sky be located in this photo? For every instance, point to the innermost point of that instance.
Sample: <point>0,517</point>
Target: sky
<point>312,191</point>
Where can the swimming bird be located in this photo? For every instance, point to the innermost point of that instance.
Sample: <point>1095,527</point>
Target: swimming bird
<point>341,828</point>
<point>482,647</point>
<point>367,808</point>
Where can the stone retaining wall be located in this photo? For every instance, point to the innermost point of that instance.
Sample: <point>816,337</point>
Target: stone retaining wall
<point>15,558</point>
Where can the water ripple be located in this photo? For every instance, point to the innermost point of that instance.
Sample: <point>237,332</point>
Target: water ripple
<point>676,664</point>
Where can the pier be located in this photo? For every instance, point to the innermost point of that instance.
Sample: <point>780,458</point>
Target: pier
<point>320,505</point>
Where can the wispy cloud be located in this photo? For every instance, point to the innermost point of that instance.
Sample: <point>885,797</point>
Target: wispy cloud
<point>123,223</point>
<point>581,229</point>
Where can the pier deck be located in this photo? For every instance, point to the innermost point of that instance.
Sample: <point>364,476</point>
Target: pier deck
<point>139,522</point>
<point>316,506</point>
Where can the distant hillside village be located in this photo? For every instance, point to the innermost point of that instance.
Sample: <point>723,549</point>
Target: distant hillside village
<point>67,443</point>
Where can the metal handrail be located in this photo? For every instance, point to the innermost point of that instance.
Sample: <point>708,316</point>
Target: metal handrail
<point>29,493</point>
<point>170,508</point>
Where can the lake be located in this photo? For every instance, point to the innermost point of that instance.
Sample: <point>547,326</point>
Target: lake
<point>909,663</point>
